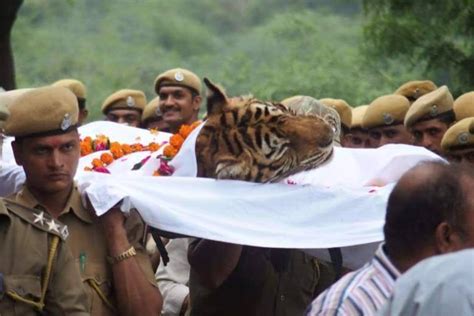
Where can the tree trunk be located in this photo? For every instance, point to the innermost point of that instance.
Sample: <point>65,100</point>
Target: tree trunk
<point>8,11</point>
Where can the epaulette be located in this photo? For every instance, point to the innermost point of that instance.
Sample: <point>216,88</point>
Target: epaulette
<point>37,218</point>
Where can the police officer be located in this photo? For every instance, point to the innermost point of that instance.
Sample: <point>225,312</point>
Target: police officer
<point>384,120</point>
<point>37,271</point>
<point>125,107</point>
<point>358,137</point>
<point>108,250</point>
<point>458,141</point>
<point>180,97</point>
<point>79,90</point>
<point>429,117</point>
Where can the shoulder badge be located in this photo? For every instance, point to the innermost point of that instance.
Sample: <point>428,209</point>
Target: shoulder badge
<point>38,218</point>
<point>130,101</point>
<point>178,76</point>
<point>463,138</point>
<point>388,118</point>
<point>66,122</point>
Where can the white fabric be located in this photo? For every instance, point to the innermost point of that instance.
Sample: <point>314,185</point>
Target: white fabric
<point>12,178</point>
<point>173,278</point>
<point>331,206</point>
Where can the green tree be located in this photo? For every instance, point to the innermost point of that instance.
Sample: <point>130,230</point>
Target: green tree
<point>436,34</point>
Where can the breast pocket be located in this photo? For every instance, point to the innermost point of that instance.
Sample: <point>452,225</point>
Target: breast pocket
<point>24,291</point>
<point>98,282</point>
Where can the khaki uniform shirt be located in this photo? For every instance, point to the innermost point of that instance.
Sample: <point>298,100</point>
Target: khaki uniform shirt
<point>25,241</point>
<point>88,245</point>
<point>265,282</point>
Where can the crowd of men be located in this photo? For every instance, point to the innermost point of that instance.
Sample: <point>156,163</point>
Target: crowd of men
<point>57,257</point>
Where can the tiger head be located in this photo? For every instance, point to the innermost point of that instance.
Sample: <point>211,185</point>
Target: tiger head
<point>251,140</point>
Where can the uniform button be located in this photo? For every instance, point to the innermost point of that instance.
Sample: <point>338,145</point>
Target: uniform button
<point>282,298</point>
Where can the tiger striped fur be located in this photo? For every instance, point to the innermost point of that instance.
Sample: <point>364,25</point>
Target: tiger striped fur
<point>247,139</point>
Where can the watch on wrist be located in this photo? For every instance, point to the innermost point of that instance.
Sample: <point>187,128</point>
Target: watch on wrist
<point>130,252</point>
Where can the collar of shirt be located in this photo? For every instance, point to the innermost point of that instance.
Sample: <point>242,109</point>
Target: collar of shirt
<point>383,264</point>
<point>74,204</point>
<point>3,211</point>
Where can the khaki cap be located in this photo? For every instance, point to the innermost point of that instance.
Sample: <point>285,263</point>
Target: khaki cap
<point>458,136</point>
<point>343,109</point>
<point>412,90</point>
<point>151,110</point>
<point>77,87</point>
<point>357,116</point>
<point>125,99</point>
<point>178,77</point>
<point>385,111</point>
<point>305,105</point>
<point>464,106</point>
<point>42,110</point>
<point>429,106</point>
<point>7,97</point>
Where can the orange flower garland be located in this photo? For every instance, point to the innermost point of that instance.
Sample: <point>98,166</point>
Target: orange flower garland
<point>117,150</point>
<point>177,140</point>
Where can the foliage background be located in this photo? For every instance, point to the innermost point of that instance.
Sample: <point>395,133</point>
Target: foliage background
<point>270,48</point>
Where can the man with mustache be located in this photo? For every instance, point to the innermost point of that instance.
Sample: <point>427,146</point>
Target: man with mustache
<point>179,91</point>
<point>108,250</point>
<point>429,117</point>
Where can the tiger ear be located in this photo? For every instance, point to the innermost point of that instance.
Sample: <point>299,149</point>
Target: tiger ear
<point>216,98</point>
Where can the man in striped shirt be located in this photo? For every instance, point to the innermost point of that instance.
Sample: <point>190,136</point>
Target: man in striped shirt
<point>429,212</point>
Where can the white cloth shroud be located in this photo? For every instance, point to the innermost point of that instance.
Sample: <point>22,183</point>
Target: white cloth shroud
<point>330,206</point>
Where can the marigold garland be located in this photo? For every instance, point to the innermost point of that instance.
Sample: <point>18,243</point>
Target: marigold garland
<point>177,140</point>
<point>118,150</point>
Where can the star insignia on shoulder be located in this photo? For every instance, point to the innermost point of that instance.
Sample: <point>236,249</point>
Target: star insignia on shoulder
<point>65,232</point>
<point>39,218</point>
<point>53,227</point>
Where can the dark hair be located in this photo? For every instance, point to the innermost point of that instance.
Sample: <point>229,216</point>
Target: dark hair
<point>447,117</point>
<point>414,211</point>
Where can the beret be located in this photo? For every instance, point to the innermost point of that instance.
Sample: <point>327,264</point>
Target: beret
<point>77,87</point>
<point>178,77</point>
<point>357,116</point>
<point>464,106</point>
<point>429,106</point>
<point>151,110</point>
<point>7,97</point>
<point>458,136</point>
<point>125,99</point>
<point>412,90</point>
<point>343,109</point>
<point>386,110</point>
<point>42,110</point>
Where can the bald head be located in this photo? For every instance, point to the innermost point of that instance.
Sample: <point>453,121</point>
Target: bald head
<point>427,195</point>
<point>420,175</point>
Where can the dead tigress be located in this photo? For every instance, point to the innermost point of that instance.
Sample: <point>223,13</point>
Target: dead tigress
<point>258,141</point>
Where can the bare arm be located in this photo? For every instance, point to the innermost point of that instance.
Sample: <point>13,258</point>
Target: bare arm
<point>134,294</point>
<point>213,261</point>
